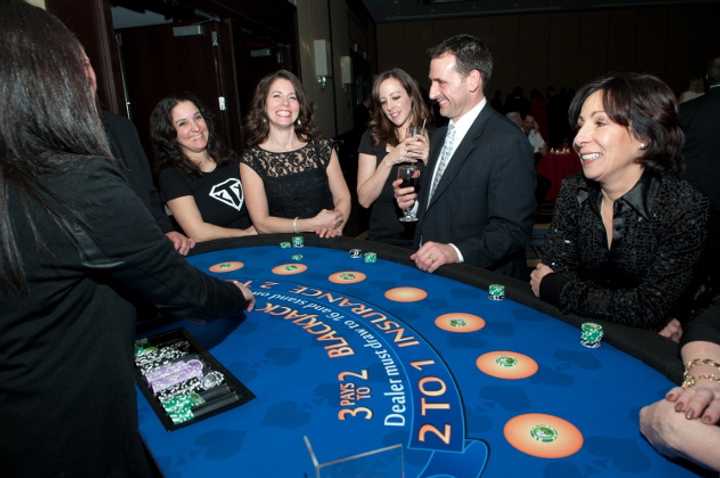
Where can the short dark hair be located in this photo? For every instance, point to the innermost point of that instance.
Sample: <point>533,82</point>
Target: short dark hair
<point>381,129</point>
<point>256,125</point>
<point>49,121</point>
<point>470,53</point>
<point>167,152</point>
<point>647,107</point>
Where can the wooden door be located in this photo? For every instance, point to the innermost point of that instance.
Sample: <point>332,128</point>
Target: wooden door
<point>164,60</point>
<point>90,20</point>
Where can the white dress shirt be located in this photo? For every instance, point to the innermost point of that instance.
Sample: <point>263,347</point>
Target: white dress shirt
<point>462,126</point>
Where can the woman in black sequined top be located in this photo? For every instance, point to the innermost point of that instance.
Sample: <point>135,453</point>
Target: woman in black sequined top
<point>293,181</point>
<point>626,234</point>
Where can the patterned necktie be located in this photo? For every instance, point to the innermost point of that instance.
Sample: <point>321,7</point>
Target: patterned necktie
<point>444,159</point>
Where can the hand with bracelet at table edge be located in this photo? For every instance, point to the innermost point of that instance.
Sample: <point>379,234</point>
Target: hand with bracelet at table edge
<point>687,421</point>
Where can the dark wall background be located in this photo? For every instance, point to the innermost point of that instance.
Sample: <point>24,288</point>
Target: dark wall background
<point>535,50</point>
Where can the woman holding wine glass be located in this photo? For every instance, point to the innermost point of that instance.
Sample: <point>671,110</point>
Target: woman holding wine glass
<point>395,143</point>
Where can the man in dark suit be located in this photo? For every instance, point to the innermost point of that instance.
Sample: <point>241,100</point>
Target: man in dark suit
<point>699,121</point>
<point>125,146</point>
<point>477,200</point>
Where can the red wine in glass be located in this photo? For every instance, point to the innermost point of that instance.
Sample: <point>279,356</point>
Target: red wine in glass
<point>410,175</point>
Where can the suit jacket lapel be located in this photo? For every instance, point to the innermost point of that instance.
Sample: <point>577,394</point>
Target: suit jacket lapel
<point>436,143</point>
<point>462,153</point>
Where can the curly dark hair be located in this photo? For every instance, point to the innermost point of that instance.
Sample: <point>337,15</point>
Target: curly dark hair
<point>381,128</point>
<point>256,125</point>
<point>470,54</point>
<point>166,150</point>
<point>647,107</point>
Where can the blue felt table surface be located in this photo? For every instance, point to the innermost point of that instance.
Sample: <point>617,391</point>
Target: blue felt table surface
<point>295,381</point>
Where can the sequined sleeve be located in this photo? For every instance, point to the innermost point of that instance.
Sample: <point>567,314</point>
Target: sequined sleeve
<point>559,250</point>
<point>677,227</point>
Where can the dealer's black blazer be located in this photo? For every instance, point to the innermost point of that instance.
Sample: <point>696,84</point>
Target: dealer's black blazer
<point>485,201</point>
<point>125,146</point>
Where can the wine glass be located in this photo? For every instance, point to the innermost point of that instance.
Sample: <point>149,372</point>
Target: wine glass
<point>410,175</point>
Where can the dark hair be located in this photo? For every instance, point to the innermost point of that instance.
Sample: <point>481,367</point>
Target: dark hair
<point>381,128</point>
<point>470,53</point>
<point>167,151</point>
<point>256,125</point>
<point>646,106</point>
<point>48,117</point>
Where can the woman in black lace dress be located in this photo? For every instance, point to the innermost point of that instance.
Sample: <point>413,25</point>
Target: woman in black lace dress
<point>397,105</point>
<point>293,181</point>
<point>627,233</point>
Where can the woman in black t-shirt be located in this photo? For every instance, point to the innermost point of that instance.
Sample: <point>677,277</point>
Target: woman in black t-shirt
<point>199,180</point>
<point>293,179</point>
<point>397,105</point>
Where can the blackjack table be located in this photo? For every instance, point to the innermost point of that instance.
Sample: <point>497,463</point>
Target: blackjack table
<point>378,369</point>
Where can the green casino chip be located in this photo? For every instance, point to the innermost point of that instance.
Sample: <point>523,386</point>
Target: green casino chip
<point>496,292</point>
<point>297,257</point>
<point>591,335</point>
<point>543,433</point>
<point>457,323</point>
<point>347,276</point>
<point>285,245</point>
<point>506,362</point>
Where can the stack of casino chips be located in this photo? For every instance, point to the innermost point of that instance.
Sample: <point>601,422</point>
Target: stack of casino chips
<point>181,381</point>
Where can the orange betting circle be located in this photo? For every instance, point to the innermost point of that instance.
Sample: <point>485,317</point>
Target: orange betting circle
<point>347,277</point>
<point>289,269</point>
<point>405,294</point>
<point>516,366</point>
<point>460,322</point>
<point>227,266</point>
<point>562,440</point>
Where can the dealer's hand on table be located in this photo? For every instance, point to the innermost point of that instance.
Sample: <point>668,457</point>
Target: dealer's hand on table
<point>536,277</point>
<point>702,400</point>
<point>405,197</point>
<point>247,293</point>
<point>433,255</point>
<point>180,242</point>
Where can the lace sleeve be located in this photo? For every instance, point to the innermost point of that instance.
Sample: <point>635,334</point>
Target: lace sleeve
<point>251,157</point>
<point>323,152</point>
